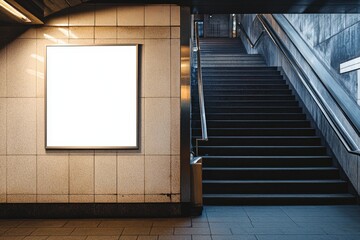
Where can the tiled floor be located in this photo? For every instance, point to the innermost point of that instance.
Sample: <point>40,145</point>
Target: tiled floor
<point>243,222</point>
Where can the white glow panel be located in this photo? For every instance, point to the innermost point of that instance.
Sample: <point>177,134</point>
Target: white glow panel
<point>91,97</point>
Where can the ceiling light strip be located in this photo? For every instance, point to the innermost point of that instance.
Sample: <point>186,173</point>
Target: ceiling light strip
<point>14,11</point>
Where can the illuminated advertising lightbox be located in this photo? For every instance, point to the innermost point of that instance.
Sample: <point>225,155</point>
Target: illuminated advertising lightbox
<point>92,97</point>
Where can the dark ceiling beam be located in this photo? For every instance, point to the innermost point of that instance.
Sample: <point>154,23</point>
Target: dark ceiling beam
<point>54,6</point>
<point>29,7</point>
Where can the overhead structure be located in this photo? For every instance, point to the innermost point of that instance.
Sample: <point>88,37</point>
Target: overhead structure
<point>38,10</point>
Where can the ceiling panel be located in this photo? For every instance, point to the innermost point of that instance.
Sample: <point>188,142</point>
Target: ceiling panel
<point>53,6</point>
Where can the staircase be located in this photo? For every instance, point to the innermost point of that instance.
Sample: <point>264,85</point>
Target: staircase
<point>262,148</point>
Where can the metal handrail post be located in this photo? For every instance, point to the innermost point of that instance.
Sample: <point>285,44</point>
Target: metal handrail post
<point>204,135</point>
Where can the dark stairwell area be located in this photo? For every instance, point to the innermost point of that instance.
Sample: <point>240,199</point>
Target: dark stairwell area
<point>262,148</point>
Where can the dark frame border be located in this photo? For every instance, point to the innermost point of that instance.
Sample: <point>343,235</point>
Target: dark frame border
<point>138,47</point>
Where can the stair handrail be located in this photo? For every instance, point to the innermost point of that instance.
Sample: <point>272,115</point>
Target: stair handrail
<point>248,39</point>
<point>345,138</point>
<point>204,134</point>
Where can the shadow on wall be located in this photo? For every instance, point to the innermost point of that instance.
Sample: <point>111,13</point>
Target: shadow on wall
<point>9,33</point>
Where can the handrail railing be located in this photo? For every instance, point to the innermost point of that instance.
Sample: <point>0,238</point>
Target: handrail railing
<point>344,137</point>
<point>204,135</point>
<point>248,39</point>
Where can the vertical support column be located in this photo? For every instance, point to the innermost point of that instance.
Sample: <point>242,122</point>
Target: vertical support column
<point>185,31</point>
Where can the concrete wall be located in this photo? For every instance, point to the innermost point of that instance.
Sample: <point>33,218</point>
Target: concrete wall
<point>335,38</point>
<point>348,162</point>
<point>216,25</point>
<point>29,173</point>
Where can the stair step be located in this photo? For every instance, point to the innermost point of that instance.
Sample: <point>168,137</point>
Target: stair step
<point>207,57</point>
<point>245,103</point>
<point>244,108</point>
<point>260,141</point>
<point>274,186</point>
<point>246,87</point>
<point>241,79</point>
<point>248,97</point>
<point>231,62</point>
<point>229,52</point>
<point>240,68</point>
<point>223,49</point>
<point>266,161</point>
<point>308,173</point>
<point>221,131</point>
<point>222,44</point>
<point>219,82</point>
<point>251,116</point>
<point>207,54</point>
<point>253,124</point>
<point>262,150</point>
<point>226,109</point>
<point>235,91</point>
<point>251,109</point>
<point>251,84</point>
<point>235,65</point>
<point>220,77</point>
<point>278,199</point>
<point>238,54</point>
<point>226,54</point>
<point>245,74</point>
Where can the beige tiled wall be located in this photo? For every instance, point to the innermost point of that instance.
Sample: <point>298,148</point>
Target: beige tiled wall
<point>21,126</point>
<point>2,126</point>
<point>3,73</point>
<point>105,174</point>
<point>29,173</point>
<point>2,178</point>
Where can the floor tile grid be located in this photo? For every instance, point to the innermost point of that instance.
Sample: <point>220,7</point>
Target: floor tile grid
<point>216,223</point>
<point>63,229</point>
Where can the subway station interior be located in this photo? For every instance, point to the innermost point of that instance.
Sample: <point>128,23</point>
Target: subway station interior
<point>180,119</point>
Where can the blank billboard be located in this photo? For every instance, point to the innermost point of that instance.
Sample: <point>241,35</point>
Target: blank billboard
<point>92,97</point>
